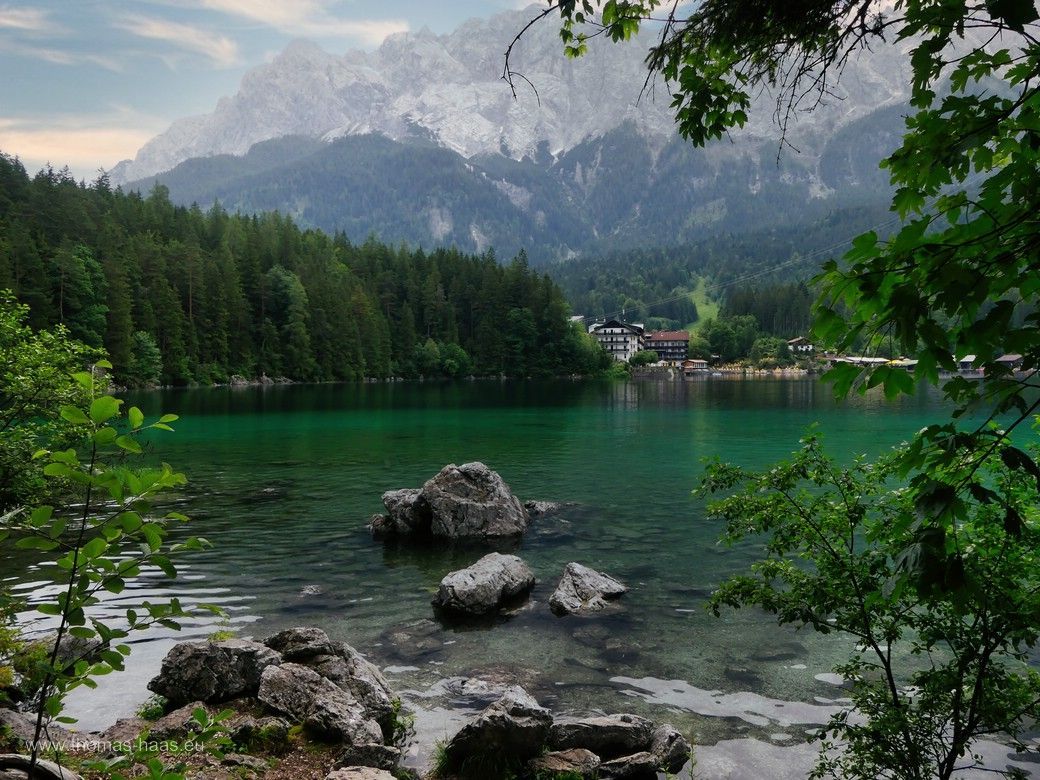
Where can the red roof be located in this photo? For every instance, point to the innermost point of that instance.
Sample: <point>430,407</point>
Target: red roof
<point>668,335</point>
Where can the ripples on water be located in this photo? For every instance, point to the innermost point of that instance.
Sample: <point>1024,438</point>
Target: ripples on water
<point>284,479</point>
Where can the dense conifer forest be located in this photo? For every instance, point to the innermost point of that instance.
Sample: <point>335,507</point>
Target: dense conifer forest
<point>179,295</point>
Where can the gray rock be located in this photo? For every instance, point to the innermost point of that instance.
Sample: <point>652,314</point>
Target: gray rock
<point>176,724</point>
<point>359,773</point>
<point>582,589</point>
<point>13,764</point>
<point>483,587</point>
<point>576,762</point>
<point>638,765</point>
<point>471,500</point>
<point>371,755</point>
<point>212,671</point>
<point>513,728</point>
<point>407,511</point>
<point>22,727</point>
<point>608,736</point>
<point>341,664</point>
<point>301,644</point>
<point>125,730</point>
<point>322,706</point>
<point>251,763</point>
<point>670,749</point>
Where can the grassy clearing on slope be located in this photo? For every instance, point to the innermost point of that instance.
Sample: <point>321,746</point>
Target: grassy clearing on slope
<point>707,307</point>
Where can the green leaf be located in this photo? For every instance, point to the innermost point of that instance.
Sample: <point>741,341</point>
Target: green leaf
<point>169,418</point>
<point>104,408</point>
<point>74,415</point>
<point>95,547</point>
<point>136,417</point>
<point>1016,14</point>
<point>36,543</point>
<point>129,443</point>
<point>103,364</point>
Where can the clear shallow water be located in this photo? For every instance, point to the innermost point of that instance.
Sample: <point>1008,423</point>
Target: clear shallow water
<point>284,480</point>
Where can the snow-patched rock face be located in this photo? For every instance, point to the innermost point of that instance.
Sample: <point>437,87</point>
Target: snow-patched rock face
<point>448,88</point>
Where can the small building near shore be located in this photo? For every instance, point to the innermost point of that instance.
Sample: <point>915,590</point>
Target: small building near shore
<point>801,346</point>
<point>621,339</point>
<point>693,366</point>
<point>1011,361</point>
<point>671,346</point>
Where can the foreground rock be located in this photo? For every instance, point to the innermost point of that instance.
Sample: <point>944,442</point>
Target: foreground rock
<point>608,736</point>
<point>511,730</point>
<point>569,763</point>
<point>16,767</point>
<point>485,586</point>
<point>582,589</point>
<point>460,502</point>
<point>212,671</point>
<point>638,765</point>
<point>670,749</point>
<point>359,773</point>
<point>342,665</point>
<point>325,709</point>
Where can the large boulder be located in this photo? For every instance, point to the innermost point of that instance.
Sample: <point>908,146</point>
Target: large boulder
<point>511,730</point>
<point>13,765</point>
<point>608,736</point>
<point>325,709</point>
<point>212,671</point>
<point>341,664</point>
<point>670,749</point>
<point>471,500</point>
<point>482,588</point>
<point>582,589</point>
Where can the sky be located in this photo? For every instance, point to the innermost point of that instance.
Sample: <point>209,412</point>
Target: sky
<point>87,82</point>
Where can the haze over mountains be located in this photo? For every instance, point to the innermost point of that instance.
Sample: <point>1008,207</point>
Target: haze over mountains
<point>421,141</point>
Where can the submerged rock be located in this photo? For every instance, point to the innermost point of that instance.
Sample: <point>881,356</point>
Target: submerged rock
<point>582,589</point>
<point>485,586</point>
<point>512,729</point>
<point>212,671</point>
<point>608,736</point>
<point>540,508</point>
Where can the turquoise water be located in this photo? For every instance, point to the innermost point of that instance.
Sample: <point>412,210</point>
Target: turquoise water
<point>284,480</point>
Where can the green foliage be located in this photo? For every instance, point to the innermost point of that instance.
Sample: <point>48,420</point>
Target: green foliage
<point>643,358</point>
<point>942,645</point>
<point>402,723</point>
<point>35,380</point>
<point>107,537</point>
<point>154,708</point>
<point>769,352</point>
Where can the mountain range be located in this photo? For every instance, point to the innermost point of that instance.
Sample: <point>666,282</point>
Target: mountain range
<point>422,141</point>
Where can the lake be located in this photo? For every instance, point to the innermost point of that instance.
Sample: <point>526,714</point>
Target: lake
<point>284,479</point>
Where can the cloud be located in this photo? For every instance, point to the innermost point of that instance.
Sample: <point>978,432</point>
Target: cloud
<point>84,143</point>
<point>220,49</point>
<point>59,56</point>
<point>25,19</point>
<point>307,18</point>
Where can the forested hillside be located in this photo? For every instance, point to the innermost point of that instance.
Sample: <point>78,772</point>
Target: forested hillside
<point>176,295</point>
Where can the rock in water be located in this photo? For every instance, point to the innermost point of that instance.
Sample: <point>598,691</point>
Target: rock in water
<point>511,730</point>
<point>212,671</point>
<point>471,500</point>
<point>407,511</point>
<point>322,706</point>
<point>608,736</point>
<point>582,589</point>
<point>483,587</point>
